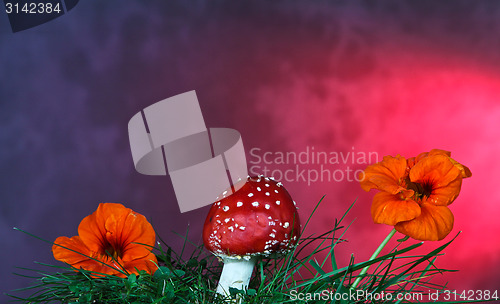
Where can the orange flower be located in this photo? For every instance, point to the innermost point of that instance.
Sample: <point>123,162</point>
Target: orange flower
<point>111,240</point>
<point>415,193</point>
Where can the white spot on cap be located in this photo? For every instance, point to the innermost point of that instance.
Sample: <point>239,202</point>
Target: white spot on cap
<point>226,208</point>
<point>255,204</point>
<point>242,227</point>
<point>231,228</point>
<point>224,193</point>
<point>278,203</point>
<point>267,193</point>
<point>276,191</point>
<point>267,185</point>
<point>267,206</point>
<point>286,225</point>
<point>272,235</point>
<point>250,194</point>
<point>226,220</point>
<point>258,189</point>
<point>239,204</point>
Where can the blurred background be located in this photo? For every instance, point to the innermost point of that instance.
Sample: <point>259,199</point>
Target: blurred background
<point>379,77</point>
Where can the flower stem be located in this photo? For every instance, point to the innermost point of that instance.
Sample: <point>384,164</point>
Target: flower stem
<point>374,256</point>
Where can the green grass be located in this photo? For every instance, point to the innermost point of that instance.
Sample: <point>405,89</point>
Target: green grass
<point>308,274</point>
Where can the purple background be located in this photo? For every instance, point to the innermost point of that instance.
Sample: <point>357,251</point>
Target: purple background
<point>387,76</point>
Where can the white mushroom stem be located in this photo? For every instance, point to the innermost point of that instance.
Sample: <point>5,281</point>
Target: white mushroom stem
<point>236,273</point>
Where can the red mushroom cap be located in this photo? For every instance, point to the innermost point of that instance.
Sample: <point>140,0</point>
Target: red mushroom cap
<point>259,219</point>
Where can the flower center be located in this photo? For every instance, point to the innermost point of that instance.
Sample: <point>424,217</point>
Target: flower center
<point>422,190</point>
<point>112,252</point>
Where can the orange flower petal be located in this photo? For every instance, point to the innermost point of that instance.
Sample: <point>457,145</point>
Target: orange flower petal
<point>443,177</point>
<point>438,152</point>
<point>120,227</point>
<point>105,265</point>
<point>433,224</point>
<point>386,175</point>
<point>92,231</point>
<point>390,209</point>
<point>80,257</point>
<point>410,162</point>
<point>463,169</point>
<point>68,256</point>
<point>444,196</point>
<point>133,233</point>
<point>148,263</point>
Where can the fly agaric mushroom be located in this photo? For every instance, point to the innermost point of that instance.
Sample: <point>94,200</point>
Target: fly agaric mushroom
<point>260,219</point>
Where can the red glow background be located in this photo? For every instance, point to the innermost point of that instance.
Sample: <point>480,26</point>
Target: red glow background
<point>392,77</point>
